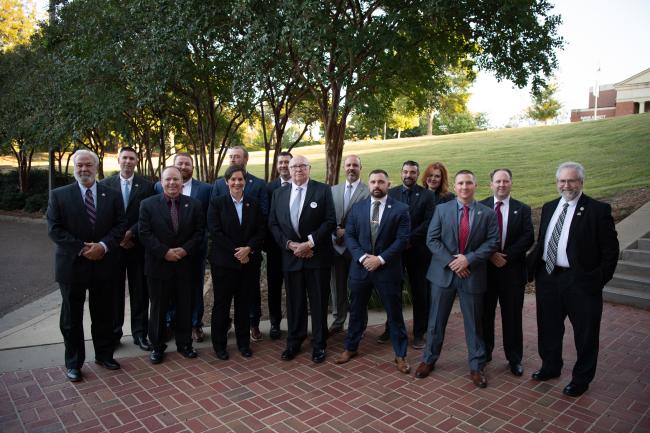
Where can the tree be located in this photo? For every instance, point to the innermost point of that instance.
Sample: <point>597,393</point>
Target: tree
<point>17,23</point>
<point>545,105</point>
<point>403,116</point>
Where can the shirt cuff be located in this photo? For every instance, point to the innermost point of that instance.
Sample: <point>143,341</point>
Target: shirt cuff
<point>362,258</point>
<point>383,262</point>
<point>105,247</point>
<point>311,241</point>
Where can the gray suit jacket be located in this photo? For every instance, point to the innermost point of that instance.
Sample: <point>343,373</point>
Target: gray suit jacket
<point>338,193</point>
<point>442,240</point>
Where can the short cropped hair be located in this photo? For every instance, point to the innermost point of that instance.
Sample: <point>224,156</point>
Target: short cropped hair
<point>240,148</point>
<point>80,152</point>
<point>471,173</point>
<point>574,165</point>
<point>411,163</point>
<point>185,154</point>
<point>507,170</point>
<point>232,170</point>
<point>378,171</point>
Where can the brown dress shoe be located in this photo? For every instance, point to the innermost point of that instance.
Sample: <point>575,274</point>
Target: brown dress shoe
<point>478,378</point>
<point>423,370</point>
<point>256,334</point>
<point>402,365</point>
<point>345,357</point>
<point>197,334</point>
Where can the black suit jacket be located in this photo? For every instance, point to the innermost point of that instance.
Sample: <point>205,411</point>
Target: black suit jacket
<point>141,188</point>
<point>520,236</point>
<point>317,218</point>
<point>592,247</point>
<point>226,233</point>
<point>157,233</point>
<point>69,227</point>
<point>421,210</point>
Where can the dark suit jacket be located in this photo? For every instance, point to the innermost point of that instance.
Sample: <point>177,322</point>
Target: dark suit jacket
<point>420,210</point>
<point>520,236</point>
<point>200,191</point>
<point>317,219</point>
<point>392,238</point>
<point>226,233</point>
<point>69,227</point>
<point>592,247</point>
<point>442,240</point>
<point>255,188</point>
<point>157,233</point>
<point>141,188</point>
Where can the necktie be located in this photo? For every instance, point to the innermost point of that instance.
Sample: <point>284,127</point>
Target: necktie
<point>126,192</point>
<point>551,251</point>
<point>90,207</point>
<point>173,211</point>
<point>407,196</point>
<point>463,231</point>
<point>497,209</point>
<point>295,210</point>
<point>346,198</point>
<point>374,224</point>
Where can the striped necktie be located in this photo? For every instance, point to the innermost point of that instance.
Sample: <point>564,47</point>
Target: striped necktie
<point>551,251</point>
<point>90,207</point>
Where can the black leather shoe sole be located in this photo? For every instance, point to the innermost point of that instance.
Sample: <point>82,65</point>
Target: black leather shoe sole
<point>542,375</point>
<point>318,356</point>
<point>288,355</point>
<point>246,353</point>
<point>73,375</point>
<point>222,355</point>
<point>275,333</point>
<point>574,390</point>
<point>156,357</point>
<point>109,364</point>
<point>188,352</point>
<point>517,369</point>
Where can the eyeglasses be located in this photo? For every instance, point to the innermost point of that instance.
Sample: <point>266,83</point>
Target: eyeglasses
<point>299,167</point>
<point>567,181</point>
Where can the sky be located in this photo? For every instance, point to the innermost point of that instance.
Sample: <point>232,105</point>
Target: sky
<point>610,34</point>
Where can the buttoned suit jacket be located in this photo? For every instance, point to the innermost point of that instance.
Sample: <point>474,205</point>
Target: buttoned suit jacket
<point>226,233</point>
<point>592,247</point>
<point>442,240</point>
<point>157,233</point>
<point>255,188</point>
<point>317,218</point>
<point>392,237</point>
<point>520,236</point>
<point>200,190</point>
<point>361,192</point>
<point>69,227</point>
<point>421,210</point>
<point>141,188</point>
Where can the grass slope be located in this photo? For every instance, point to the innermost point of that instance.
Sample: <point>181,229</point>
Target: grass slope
<point>615,153</point>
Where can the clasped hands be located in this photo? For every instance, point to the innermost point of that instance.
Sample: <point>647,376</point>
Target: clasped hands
<point>242,254</point>
<point>302,250</point>
<point>93,251</point>
<point>371,263</point>
<point>460,266</point>
<point>498,259</point>
<point>175,254</point>
<point>127,240</point>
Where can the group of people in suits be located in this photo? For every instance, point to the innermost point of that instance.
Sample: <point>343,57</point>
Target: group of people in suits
<point>349,240</point>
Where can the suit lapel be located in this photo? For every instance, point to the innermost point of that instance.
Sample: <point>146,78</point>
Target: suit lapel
<point>135,190</point>
<point>387,214</point>
<point>164,211</point>
<point>581,207</point>
<point>513,215</point>
<point>308,198</point>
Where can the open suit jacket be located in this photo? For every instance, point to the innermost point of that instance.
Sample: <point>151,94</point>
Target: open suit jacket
<point>317,219</point>
<point>69,227</point>
<point>592,247</point>
<point>226,233</point>
<point>141,188</point>
<point>157,233</point>
<point>338,192</point>
<point>421,210</point>
<point>442,240</point>
<point>520,237</point>
<point>392,236</point>
<point>255,188</point>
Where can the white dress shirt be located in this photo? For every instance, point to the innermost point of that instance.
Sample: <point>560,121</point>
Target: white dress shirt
<point>562,258</point>
<point>382,207</point>
<point>187,188</point>
<point>93,190</point>
<point>505,210</point>
<point>292,198</point>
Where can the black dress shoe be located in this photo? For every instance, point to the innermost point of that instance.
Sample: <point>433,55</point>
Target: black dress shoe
<point>275,332</point>
<point>222,354</point>
<point>187,352</point>
<point>384,337</point>
<point>73,374</point>
<point>288,354</point>
<point>318,355</point>
<point>109,364</point>
<point>156,356</point>
<point>574,390</point>
<point>543,375</point>
<point>142,343</point>
<point>516,368</point>
<point>246,352</point>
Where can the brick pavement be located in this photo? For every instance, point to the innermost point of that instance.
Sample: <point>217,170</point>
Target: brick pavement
<point>266,394</point>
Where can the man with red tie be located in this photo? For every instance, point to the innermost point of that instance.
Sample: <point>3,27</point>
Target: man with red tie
<point>462,236</point>
<point>507,270</point>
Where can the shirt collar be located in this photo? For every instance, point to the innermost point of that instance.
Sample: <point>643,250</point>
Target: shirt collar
<point>460,205</point>
<point>129,179</point>
<point>188,183</point>
<point>92,188</point>
<point>354,184</point>
<point>168,199</point>
<point>303,186</point>
<point>573,202</point>
<point>381,200</point>
<point>505,201</point>
<point>234,200</point>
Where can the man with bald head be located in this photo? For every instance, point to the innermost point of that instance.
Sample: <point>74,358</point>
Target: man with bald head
<point>301,221</point>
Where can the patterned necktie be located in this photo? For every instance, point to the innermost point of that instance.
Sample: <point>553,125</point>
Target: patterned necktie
<point>295,210</point>
<point>374,224</point>
<point>90,207</point>
<point>346,198</point>
<point>497,209</point>
<point>463,231</point>
<point>551,251</point>
<point>173,212</point>
<point>126,192</point>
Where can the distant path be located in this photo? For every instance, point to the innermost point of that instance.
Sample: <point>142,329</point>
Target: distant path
<point>26,262</point>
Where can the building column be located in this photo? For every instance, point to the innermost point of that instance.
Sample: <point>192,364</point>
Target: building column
<point>641,107</point>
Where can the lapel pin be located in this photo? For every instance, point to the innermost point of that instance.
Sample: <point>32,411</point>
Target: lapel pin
<point>579,213</point>
<point>248,204</point>
<point>582,208</point>
<point>103,195</point>
<point>479,212</point>
<point>187,204</point>
<point>250,180</point>
<point>136,185</point>
<point>417,194</point>
<point>389,206</point>
<point>313,205</point>
<point>515,212</point>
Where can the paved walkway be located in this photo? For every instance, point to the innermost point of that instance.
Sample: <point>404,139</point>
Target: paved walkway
<point>266,394</point>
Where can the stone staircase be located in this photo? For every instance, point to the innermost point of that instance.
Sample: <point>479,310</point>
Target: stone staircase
<point>631,282</point>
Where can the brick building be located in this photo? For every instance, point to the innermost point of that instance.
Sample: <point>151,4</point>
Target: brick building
<point>630,96</point>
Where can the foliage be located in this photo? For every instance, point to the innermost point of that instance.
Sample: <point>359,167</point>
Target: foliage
<point>545,104</point>
<point>17,23</point>
<point>404,115</point>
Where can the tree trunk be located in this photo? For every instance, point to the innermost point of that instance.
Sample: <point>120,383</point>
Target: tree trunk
<point>334,134</point>
<point>430,122</point>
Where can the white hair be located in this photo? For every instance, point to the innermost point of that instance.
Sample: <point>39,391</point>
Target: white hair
<point>86,152</point>
<point>574,166</point>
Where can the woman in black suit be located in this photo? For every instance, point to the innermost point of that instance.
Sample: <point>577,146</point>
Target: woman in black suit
<point>436,178</point>
<point>237,228</point>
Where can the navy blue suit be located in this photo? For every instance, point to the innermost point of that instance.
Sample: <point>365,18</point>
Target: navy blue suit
<point>392,237</point>
<point>274,274</point>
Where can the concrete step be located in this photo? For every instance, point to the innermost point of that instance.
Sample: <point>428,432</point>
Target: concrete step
<point>630,297</point>
<point>633,268</point>
<point>628,281</point>
<point>643,244</point>
<point>635,255</point>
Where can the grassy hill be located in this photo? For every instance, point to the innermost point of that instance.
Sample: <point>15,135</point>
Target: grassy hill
<point>615,153</point>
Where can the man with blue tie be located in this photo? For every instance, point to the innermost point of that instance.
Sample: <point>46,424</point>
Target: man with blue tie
<point>462,237</point>
<point>376,234</point>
